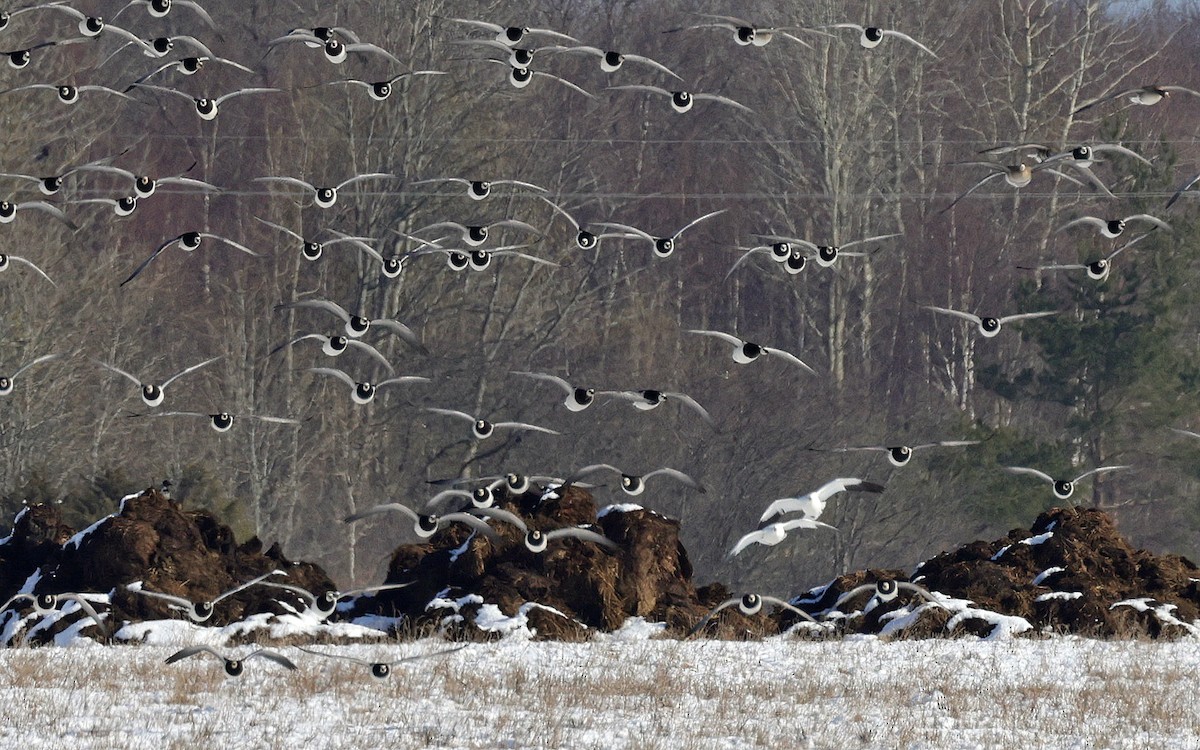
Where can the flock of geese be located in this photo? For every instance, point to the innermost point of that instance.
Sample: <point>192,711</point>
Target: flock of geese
<point>516,51</point>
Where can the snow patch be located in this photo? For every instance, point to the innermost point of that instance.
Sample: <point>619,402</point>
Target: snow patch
<point>824,627</point>
<point>14,624</point>
<point>1031,541</point>
<point>442,602</point>
<point>1162,612</point>
<point>869,692</point>
<point>635,629</point>
<point>901,619</point>
<point>179,633</point>
<point>169,633</point>
<point>378,622</point>
<point>1004,626</point>
<point>812,595</point>
<point>618,508</point>
<point>76,540</point>
<point>1068,595</point>
<point>1039,539</point>
<point>286,626</point>
<point>491,620</point>
<point>454,605</point>
<point>15,521</point>
<point>1047,573</point>
<point>30,582</point>
<point>461,550</point>
<point>72,635</point>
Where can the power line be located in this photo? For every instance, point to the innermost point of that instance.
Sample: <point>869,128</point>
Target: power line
<point>597,195</point>
<point>392,138</point>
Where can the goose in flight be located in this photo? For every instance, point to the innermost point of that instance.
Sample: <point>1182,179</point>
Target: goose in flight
<point>325,604</point>
<point>357,325</point>
<point>208,107</point>
<point>749,605</point>
<point>199,611</point>
<point>1098,269</point>
<point>1112,228</point>
<point>363,392</point>
<point>234,666</point>
<point>884,590</point>
<point>513,35</point>
<point>812,504</point>
<point>380,670</point>
<point>8,382</point>
<point>154,394</point>
<point>1146,96</point>
<point>634,484</point>
<point>900,455</point>
<point>774,533</point>
<point>6,262</point>
<point>682,101</point>
<point>1063,488</point>
<point>578,398</point>
<point>646,400</point>
<point>747,34</point>
<point>745,352</point>
<point>870,37</point>
<point>989,326</point>
<point>483,428</point>
<point>188,241</point>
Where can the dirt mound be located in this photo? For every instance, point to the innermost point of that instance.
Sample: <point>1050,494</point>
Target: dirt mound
<point>1071,572</point>
<point>571,587</point>
<point>187,554</point>
<point>38,532</point>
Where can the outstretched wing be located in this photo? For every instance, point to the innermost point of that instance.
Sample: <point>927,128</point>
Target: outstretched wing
<point>38,361</point>
<point>678,476</point>
<point>1026,471</point>
<point>711,614</point>
<point>334,372</point>
<point>157,251</point>
<point>248,584</point>
<point>781,603</point>
<point>178,375</point>
<point>133,379</point>
<point>385,508</point>
<point>321,304</point>
<point>1099,469</point>
<point>189,651</point>
<point>586,535</point>
<point>957,313</point>
<point>278,658</point>
<point>694,222</point>
<point>727,338</point>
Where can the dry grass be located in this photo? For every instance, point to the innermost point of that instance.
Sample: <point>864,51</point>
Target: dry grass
<point>655,694</point>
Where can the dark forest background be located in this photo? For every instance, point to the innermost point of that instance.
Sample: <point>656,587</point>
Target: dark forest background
<point>842,143</point>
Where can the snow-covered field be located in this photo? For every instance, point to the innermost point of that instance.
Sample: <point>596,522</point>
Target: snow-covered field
<point>622,691</point>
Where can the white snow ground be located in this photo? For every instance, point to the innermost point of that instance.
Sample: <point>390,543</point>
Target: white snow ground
<point>626,690</point>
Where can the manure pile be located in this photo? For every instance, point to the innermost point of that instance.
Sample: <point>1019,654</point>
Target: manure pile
<point>1070,572</point>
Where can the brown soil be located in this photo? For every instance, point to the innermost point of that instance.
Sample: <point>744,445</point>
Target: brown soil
<point>182,553</point>
<point>582,587</point>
